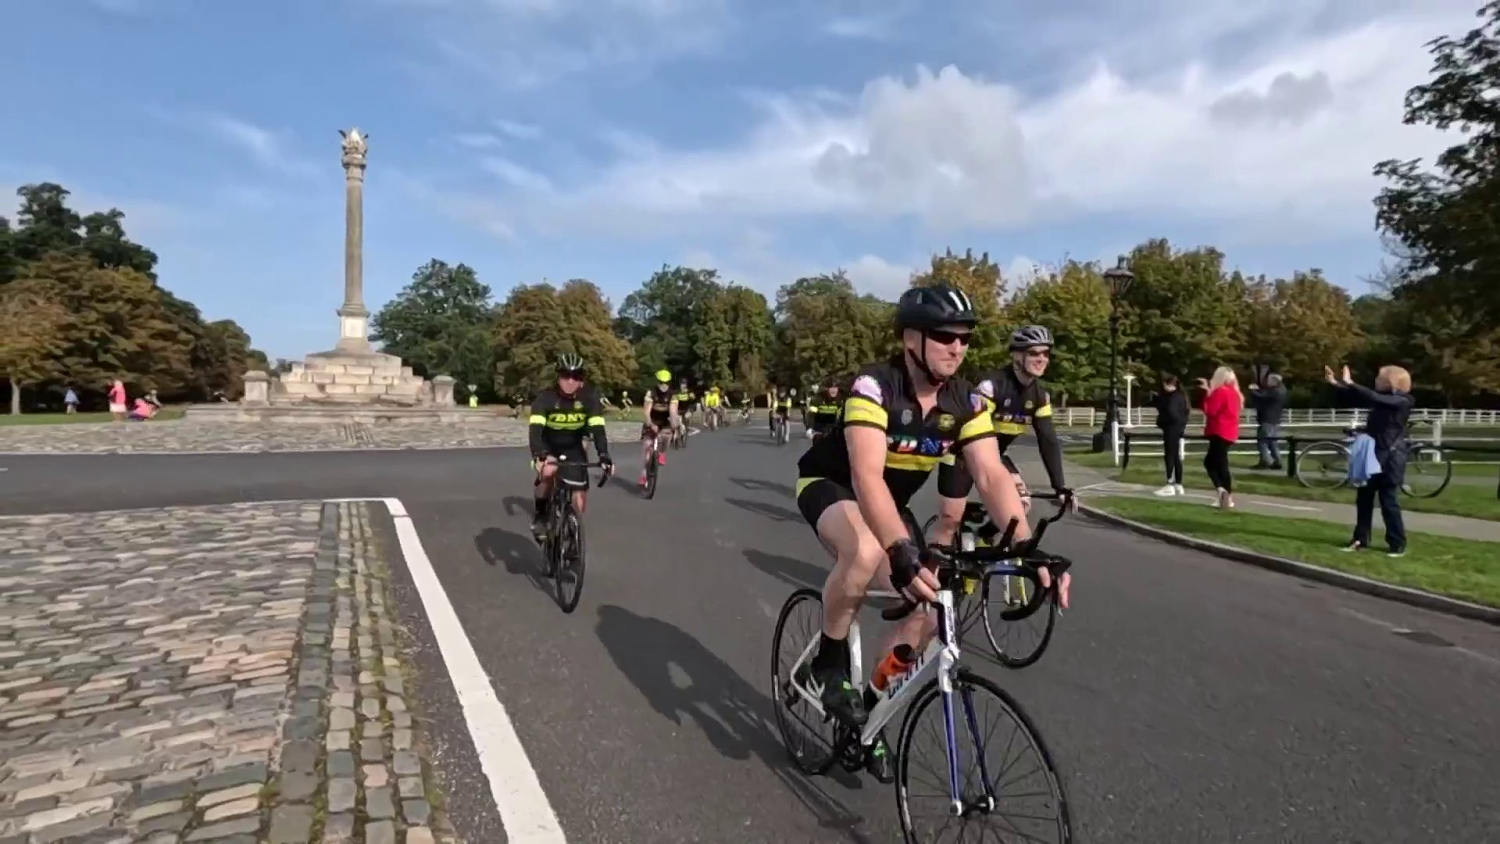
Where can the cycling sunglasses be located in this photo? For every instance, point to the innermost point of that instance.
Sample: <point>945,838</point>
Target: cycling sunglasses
<point>947,338</point>
<point>575,374</point>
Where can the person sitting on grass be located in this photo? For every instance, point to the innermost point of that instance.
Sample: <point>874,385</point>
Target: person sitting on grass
<point>1390,405</point>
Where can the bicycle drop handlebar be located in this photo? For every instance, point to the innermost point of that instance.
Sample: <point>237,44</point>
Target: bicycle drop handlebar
<point>561,460</point>
<point>950,563</point>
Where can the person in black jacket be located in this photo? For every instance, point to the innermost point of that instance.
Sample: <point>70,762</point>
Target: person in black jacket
<point>1390,405</point>
<point>1270,402</point>
<point>1172,418</point>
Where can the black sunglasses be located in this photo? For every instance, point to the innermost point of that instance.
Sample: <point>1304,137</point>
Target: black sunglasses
<point>576,374</point>
<point>947,338</point>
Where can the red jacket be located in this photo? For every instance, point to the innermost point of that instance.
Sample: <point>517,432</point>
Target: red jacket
<point>1221,409</point>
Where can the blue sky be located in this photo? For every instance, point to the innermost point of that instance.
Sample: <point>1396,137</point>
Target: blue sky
<point>555,139</point>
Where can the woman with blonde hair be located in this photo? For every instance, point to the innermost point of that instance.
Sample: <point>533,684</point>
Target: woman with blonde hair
<point>1390,405</point>
<point>1221,425</point>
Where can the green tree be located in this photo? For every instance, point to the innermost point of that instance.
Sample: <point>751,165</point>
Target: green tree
<point>1074,303</point>
<point>225,356</point>
<point>538,322</point>
<point>1448,220</point>
<point>1312,325</point>
<point>1182,314</point>
<point>732,334</point>
<point>440,324</point>
<point>824,328</point>
<point>666,309</point>
<point>7,251</point>
<point>32,317</point>
<point>46,224</point>
<point>104,241</point>
<point>1447,345</point>
<point>980,279</point>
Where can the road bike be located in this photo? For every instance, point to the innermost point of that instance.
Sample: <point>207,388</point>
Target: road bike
<point>562,544</point>
<point>654,459</point>
<point>939,688</point>
<point>680,435</point>
<point>1018,613</point>
<point>1325,465</point>
<point>781,428</point>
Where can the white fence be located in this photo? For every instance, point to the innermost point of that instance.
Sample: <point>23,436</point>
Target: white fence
<point>1324,416</point>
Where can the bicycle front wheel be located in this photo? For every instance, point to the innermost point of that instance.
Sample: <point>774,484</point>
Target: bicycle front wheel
<point>1323,465</point>
<point>1019,616</point>
<point>1428,471</point>
<point>569,577</point>
<point>978,741</point>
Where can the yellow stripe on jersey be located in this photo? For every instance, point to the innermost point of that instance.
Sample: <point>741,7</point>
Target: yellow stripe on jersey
<point>538,419</point>
<point>804,483</point>
<point>1011,428</point>
<point>980,426</point>
<point>596,421</point>
<point>1044,410</point>
<point>911,462</point>
<point>860,410</point>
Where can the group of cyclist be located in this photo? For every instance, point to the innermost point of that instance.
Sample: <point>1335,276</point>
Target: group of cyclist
<point>872,450</point>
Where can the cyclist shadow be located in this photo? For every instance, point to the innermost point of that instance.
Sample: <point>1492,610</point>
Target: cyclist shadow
<point>518,552</point>
<point>733,715</point>
<point>757,485</point>
<point>792,572</point>
<point>771,511</point>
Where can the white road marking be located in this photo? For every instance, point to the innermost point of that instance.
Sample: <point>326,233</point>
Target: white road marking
<point>518,795</point>
<point>1370,619</point>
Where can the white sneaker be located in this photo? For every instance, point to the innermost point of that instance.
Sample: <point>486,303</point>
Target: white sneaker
<point>1178,489</point>
<point>1219,497</point>
<point>1166,491</point>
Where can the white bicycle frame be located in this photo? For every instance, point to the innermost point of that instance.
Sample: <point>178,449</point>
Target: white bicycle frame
<point>940,656</point>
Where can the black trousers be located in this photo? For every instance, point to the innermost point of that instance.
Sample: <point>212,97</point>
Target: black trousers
<point>1216,461</point>
<point>1172,453</point>
<point>1390,512</point>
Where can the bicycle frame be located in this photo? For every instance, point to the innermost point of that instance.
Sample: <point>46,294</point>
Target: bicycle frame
<point>940,656</point>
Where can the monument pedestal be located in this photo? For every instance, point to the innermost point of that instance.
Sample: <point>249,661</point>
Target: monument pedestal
<point>349,377</point>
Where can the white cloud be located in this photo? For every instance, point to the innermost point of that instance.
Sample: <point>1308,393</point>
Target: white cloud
<point>1021,271</point>
<point>515,174</point>
<point>874,274</point>
<point>1287,145</point>
<point>859,27</point>
<point>478,140</point>
<point>517,129</point>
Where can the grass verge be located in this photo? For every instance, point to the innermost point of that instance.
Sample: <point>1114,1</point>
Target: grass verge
<point>167,413</point>
<point>1469,494</point>
<point>1457,568</point>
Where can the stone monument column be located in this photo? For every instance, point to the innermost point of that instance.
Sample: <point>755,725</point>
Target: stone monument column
<point>353,316</point>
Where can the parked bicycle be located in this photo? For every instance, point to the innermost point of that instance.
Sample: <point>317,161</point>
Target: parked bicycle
<point>562,545</point>
<point>1013,796</point>
<point>1325,465</point>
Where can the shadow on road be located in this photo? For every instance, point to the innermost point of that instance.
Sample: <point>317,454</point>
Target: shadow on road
<point>733,715</point>
<point>795,572</point>
<point>772,511</point>
<point>518,552</point>
<point>757,485</point>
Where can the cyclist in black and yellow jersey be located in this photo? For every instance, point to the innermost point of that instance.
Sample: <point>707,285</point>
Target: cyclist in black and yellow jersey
<point>824,409</point>
<point>687,403</point>
<point>900,419</point>
<point>660,409</point>
<point>561,416</point>
<point>1017,400</point>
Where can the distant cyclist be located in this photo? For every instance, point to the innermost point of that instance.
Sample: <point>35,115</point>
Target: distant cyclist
<point>1017,399</point>
<point>660,409</point>
<point>824,408</point>
<point>687,403</point>
<point>561,417</point>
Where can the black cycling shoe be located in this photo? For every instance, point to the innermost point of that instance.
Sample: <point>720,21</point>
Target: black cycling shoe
<point>879,762</point>
<point>840,699</point>
<point>539,528</point>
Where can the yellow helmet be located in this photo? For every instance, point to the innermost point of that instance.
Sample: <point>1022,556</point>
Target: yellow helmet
<point>663,376</point>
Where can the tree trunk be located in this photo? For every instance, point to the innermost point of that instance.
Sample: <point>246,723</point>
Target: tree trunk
<point>15,397</point>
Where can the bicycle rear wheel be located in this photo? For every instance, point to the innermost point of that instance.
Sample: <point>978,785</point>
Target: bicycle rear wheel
<point>1006,781</point>
<point>1323,465</point>
<point>650,489</point>
<point>1428,471</point>
<point>808,737</point>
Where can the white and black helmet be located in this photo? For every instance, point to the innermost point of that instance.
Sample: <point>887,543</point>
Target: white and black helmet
<point>930,307</point>
<point>1030,335</point>
<point>570,362</point>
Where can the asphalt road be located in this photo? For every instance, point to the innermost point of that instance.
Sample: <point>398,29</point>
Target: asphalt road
<point>1185,698</point>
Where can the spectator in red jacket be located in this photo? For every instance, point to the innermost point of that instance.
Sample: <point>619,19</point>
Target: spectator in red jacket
<point>1221,411</point>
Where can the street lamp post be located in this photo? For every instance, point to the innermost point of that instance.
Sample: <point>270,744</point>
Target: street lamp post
<point>1119,278</point>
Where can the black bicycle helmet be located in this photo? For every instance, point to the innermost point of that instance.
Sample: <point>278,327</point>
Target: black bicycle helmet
<point>924,308</point>
<point>1030,335</point>
<point>569,362</point>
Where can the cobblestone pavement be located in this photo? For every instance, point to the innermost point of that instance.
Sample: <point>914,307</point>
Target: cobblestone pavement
<point>226,674</point>
<point>183,436</point>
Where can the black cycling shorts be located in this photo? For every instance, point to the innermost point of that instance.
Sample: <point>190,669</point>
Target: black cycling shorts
<point>954,480</point>
<point>814,495</point>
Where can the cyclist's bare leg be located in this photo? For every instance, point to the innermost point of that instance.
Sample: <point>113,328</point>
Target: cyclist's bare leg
<point>859,565</point>
<point>580,500</point>
<point>950,512</point>
<point>542,491</point>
